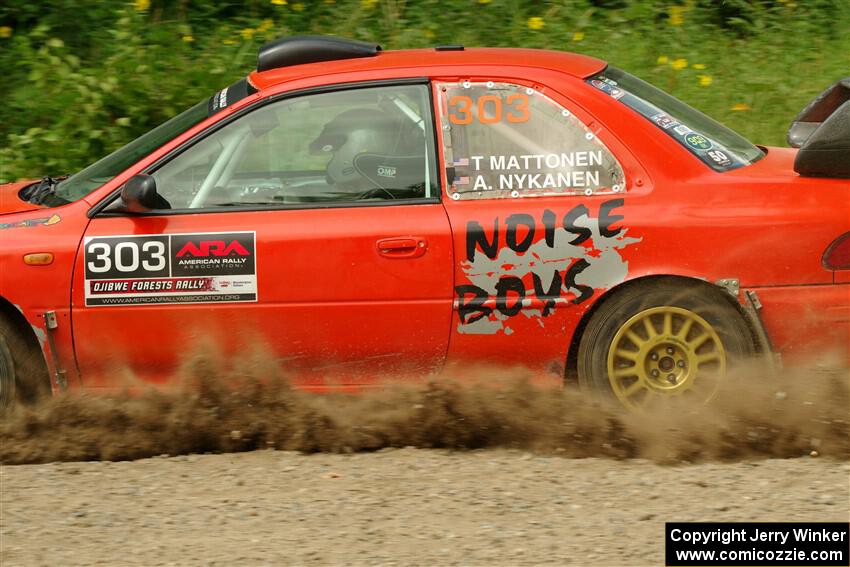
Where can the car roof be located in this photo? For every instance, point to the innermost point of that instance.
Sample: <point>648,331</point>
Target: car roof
<point>574,64</point>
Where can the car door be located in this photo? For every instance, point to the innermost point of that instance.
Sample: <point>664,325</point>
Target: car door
<point>309,227</point>
<point>536,198</point>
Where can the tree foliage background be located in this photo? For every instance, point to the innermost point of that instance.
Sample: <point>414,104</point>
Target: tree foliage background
<point>82,77</point>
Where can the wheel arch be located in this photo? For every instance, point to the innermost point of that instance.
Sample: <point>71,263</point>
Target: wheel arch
<point>571,366</point>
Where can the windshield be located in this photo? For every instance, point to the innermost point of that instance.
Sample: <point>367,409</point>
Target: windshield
<point>81,184</point>
<point>714,144</point>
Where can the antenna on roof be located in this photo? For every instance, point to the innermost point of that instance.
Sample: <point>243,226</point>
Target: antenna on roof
<point>301,49</point>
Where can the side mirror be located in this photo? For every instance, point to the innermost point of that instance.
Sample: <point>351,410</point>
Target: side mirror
<point>139,195</point>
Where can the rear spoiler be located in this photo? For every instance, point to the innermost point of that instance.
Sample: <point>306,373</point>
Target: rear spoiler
<point>822,132</point>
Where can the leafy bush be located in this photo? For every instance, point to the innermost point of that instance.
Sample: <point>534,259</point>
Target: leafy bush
<point>82,77</point>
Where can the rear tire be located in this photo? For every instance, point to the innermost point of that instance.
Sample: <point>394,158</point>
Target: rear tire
<point>655,341</point>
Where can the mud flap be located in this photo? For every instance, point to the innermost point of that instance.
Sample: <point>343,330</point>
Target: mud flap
<point>60,376</point>
<point>752,309</point>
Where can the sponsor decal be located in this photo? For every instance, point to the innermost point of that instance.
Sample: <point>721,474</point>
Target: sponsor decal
<point>219,101</point>
<point>698,141</point>
<point>665,121</point>
<point>719,157</point>
<point>681,129</point>
<point>46,221</point>
<point>527,264</point>
<point>609,86</point>
<point>170,268</point>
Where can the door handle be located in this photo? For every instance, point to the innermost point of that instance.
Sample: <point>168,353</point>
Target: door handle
<point>402,247</point>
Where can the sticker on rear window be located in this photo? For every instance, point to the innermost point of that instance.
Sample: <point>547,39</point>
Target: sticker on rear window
<point>218,267</point>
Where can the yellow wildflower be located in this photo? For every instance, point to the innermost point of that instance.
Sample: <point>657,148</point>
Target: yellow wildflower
<point>265,25</point>
<point>368,4</point>
<point>536,23</point>
<point>279,2</point>
<point>298,7</point>
<point>740,107</point>
<point>330,1</point>
<point>142,5</point>
<point>679,64</point>
<point>677,15</point>
<point>484,1</point>
<point>228,42</point>
<point>578,36</point>
<point>704,80</point>
<point>662,60</point>
<point>429,34</point>
<point>698,66</point>
<point>5,31</point>
<point>188,38</point>
<point>247,33</point>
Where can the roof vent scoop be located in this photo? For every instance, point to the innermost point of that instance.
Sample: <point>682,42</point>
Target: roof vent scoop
<point>822,132</point>
<point>301,49</point>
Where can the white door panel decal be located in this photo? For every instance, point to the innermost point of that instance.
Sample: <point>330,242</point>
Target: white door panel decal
<point>170,268</point>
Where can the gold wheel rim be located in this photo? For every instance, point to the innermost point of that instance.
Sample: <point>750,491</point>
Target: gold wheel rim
<point>665,352</point>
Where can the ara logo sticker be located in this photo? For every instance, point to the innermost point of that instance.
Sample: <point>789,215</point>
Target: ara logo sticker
<point>217,248</point>
<point>520,261</point>
<point>170,268</point>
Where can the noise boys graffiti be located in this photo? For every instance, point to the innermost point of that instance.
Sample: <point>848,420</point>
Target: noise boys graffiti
<point>554,258</point>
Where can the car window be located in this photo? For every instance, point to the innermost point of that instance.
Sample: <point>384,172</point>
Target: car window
<point>503,140</point>
<point>365,144</point>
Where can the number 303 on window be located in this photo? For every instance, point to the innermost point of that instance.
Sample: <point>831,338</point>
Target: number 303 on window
<point>488,109</point>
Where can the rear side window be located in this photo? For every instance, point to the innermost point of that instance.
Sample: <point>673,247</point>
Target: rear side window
<point>713,143</point>
<point>508,141</point>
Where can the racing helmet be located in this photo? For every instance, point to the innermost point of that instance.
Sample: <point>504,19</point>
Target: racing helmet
<point>351,134</point>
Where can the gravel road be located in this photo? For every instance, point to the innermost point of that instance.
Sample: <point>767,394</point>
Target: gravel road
<point>394,507</point>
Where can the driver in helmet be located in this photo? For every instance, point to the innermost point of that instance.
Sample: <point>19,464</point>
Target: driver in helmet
<point>351,137</point>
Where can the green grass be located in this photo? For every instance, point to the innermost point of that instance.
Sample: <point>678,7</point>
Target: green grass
<point>83,77</point>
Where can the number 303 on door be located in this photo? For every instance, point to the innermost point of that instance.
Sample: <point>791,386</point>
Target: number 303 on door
<point>489,109</point>
<point>126,257</point>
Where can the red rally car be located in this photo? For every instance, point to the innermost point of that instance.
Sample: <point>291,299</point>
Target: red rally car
<point>362,213</point>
